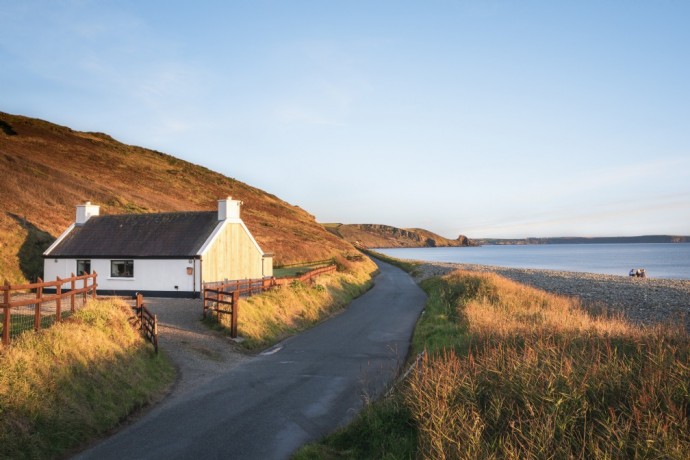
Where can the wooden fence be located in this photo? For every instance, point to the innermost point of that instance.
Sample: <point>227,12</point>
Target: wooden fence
<point>314,263</point>
<point>26,306</point>
<point>148,321</point>
<point>244,287</point>
<point>307,277</point>
<point>223,303</point>
<point>223,297</point>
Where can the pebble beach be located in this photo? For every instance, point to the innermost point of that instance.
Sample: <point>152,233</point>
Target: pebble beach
<point>640,300</point>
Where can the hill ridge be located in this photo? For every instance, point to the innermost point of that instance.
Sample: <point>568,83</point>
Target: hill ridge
<point>48,169</point>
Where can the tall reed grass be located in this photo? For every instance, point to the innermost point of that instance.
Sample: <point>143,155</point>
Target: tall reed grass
<point>540,377</point>
<point>511,372</point>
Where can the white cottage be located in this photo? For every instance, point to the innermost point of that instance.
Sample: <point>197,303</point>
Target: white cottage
<point>165,254</point>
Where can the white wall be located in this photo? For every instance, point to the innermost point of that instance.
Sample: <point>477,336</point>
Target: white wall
<point>267,264</point>
<point>149,274</point>
<point>52,268</point>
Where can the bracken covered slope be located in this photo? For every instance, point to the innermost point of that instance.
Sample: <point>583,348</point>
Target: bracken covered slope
<point>46,170</point>
<point>386,236</point>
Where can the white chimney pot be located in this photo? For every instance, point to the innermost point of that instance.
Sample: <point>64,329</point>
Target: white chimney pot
<point>229,209</point>
<point>86,211</point>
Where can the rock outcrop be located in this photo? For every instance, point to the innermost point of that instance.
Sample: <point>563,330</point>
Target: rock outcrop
<point>387,236</point>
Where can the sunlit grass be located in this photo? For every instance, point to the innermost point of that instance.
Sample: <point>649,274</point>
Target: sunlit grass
<point>299,269</point>
<point>269,317</point>
<point>406,265</point>
<point>75,380</point>
<point>541,377</point>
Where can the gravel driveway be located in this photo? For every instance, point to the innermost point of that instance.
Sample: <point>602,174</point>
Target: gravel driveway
<point>199,353</point>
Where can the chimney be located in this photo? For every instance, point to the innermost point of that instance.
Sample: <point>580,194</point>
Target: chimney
<point>229,209</point>
<point>85,211</point>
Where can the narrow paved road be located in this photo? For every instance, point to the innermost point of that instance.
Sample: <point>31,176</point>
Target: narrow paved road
<point>293,393</point>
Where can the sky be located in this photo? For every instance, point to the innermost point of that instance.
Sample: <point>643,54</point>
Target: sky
<point>484,118</point>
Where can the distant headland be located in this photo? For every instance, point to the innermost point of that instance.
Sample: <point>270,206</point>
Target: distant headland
<point>387,236</point>
<point>585,240</point>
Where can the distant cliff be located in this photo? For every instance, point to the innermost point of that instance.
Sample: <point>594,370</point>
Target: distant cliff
<point>386,236</point>
<point>594,240</point>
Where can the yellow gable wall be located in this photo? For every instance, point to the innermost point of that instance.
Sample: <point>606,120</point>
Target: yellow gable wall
<point>233,255</point>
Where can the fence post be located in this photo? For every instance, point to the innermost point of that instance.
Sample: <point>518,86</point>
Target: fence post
<point>220,296</point>
<point>235,311</point>
<point>6,311</point>
<point>58,301</point>
<point>205,301</point>
<point>37,306</point>
<point>84,288</point>
<point>140,308</point>
<point>73,286</point>
<point>94,285</point>
<point>155,332</point>
<point>203,304</point>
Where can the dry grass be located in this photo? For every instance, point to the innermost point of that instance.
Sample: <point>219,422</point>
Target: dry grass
<point>267,318</point>
<point>67,384</point>
<point>505,308</point>
<point>545,379</point>
<point>12,236</point>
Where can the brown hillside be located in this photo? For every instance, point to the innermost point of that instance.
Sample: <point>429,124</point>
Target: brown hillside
<point>47,169</point>
<point>385,236</point>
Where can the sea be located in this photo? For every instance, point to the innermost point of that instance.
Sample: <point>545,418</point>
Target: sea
<point>660,260</point>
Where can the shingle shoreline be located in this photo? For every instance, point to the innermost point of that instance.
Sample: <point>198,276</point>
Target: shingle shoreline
<point>641,300</point>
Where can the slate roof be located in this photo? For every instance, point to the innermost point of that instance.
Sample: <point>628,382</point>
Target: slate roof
<point>164,235</point>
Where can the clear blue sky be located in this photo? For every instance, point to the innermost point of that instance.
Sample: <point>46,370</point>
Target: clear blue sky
<point>486,118</point>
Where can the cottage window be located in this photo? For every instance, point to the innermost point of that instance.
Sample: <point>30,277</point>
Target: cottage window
<point>83,267</point>
<point>122,268</point>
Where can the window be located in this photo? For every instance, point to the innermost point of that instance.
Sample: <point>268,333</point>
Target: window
<point>83,267</point>
<point>122,268</point>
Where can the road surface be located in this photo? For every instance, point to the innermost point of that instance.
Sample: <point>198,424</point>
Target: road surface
<point>291,394</point>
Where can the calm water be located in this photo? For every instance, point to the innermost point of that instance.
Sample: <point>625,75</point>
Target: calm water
<point>659,260</point>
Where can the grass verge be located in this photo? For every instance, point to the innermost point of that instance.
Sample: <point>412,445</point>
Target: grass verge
<point>270,317</point>
<point>405,265</point>
<point>513,372</point>
<point>66,385</point>
<point>301,269</point>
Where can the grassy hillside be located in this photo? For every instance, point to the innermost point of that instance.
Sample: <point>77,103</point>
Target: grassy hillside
<point>385,236</point>
<point>47,169</point>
